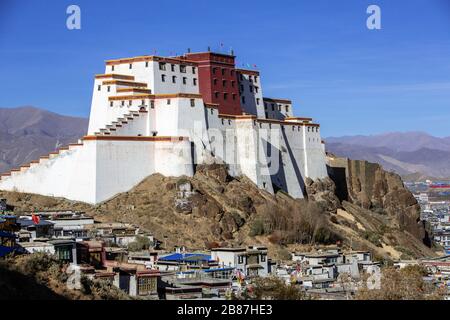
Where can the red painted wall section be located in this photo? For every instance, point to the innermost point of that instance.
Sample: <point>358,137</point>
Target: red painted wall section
<point>218,82</point>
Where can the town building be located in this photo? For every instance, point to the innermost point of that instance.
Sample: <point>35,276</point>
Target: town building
<point>251,261</point>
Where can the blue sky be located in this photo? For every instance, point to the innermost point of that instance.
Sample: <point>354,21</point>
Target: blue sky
<point>318,53</point>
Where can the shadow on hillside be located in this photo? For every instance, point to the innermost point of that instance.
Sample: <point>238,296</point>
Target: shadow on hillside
<point>17,286</point>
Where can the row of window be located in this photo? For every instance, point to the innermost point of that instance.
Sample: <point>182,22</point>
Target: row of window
<point>251,88</point>
<point>223,71</point>
<point>183,68</point>
<point>225,95</point>
<point>279,107</point>
<point>224,82</point>
<point>250,78</point>
<point>255,259</point>
<point>174,79</point>
<point>152,103</point>
<point>258,100</point>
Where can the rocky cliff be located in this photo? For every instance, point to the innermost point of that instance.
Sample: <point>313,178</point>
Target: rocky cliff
<point>365,187</point>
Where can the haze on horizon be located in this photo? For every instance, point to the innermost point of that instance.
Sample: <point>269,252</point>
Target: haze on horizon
<point>319,54</point>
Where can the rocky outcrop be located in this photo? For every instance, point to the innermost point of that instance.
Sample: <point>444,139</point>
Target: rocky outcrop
<point>323,192</point>
<point>369,186</point>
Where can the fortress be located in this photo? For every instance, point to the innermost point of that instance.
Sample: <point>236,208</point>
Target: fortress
<point>153,114</point>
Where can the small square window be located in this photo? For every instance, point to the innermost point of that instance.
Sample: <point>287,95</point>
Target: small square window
<point>193,70</point>
<point>162,66</point>
<point>146,64</point>
<point>184,80</point>
<point>225,96</point>
<point>172,67</point>
<point>109,89</point>
<point>152,104</point>
<point>130,102</point>
<point>123,103</point>
<point>163,78</point>
<point>99,87</point>
<point>194,81</point>
<point>174,79</point>
<point>112,68</point>
<point>168,101</point>
<point>192,102</point>
<point>182,68</point>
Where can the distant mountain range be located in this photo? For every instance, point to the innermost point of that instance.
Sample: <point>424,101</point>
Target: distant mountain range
<point>26,133</point>
<point>414,155</point>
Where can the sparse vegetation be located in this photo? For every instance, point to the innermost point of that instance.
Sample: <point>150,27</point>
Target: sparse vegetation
<point>272,288</point>
<point>41,276</point>
<point>403,284</point>
<point>372,237</point>
<point>141,243</point>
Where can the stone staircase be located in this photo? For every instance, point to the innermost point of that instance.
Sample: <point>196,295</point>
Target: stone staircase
<point>116,127</point>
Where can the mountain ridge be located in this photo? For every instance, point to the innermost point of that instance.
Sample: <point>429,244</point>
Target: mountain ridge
<point>415,155</point>
<point>27,132</point>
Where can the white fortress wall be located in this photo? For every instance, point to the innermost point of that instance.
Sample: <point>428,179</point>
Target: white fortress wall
<point>174,158</point>
<point>71,174</point>
<point>121,165</point>
<point>251,158</point>
<point>184,116</point>
<point>285,151</point>
<point>314,153</point>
